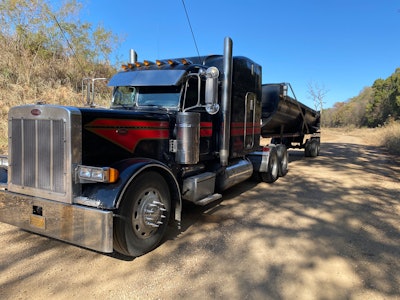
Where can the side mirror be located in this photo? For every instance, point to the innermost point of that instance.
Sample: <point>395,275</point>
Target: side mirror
<point>212,106</point>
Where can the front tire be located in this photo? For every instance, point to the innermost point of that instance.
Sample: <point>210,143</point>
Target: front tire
<point>143,215</point>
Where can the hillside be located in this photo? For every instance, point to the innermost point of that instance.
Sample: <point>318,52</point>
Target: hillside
<point>45,54</point>
<point>375,106</point>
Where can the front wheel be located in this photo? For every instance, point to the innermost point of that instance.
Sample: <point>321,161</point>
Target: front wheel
<point>143,215</point>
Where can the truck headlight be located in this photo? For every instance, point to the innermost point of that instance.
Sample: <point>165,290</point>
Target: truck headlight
<point>88,174</point>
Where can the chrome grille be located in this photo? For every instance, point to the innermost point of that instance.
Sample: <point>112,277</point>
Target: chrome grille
<point>38,154</point>
<point>45,146</point>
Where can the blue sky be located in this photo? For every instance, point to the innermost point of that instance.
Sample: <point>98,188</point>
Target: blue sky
<point>340,45</point>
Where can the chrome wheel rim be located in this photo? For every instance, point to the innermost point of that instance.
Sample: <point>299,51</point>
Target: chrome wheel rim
<point>149,213</point>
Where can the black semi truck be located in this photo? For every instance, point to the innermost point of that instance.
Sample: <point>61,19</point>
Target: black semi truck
<point>183,129</point>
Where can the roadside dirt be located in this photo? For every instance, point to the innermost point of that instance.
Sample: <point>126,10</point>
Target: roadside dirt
<point>329,229</point>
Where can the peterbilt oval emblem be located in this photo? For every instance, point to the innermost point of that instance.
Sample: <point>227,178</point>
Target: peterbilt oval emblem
<point>36,112</point>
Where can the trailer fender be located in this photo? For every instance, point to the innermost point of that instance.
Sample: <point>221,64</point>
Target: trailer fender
<point>110,195</point>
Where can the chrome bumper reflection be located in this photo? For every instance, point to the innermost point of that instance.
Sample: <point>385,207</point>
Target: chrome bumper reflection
<point>79,225</point>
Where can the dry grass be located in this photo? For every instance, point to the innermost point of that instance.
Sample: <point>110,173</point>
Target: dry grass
<point>3,136</point>
<point>390,137</point>
<point>14,95</point>
<point>387,136</point>
<point>28,76</point>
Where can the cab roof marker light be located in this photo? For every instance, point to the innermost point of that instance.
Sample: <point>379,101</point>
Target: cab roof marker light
<point>148,63</point>
<point>172,62</point>
<point>159,63</point>
<point>124,67</point>
<point>138,64</point>
<point>131,66</point>
<point>186,61</point>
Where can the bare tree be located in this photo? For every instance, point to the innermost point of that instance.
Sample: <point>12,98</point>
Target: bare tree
<point>317,93</point>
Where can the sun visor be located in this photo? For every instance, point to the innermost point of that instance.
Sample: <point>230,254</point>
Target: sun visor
<point>147,78</point>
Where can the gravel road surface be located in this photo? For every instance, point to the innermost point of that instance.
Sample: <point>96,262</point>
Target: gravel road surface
<point>329,229</point>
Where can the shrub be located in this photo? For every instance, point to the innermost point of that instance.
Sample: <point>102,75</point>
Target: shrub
<point>390,137</point>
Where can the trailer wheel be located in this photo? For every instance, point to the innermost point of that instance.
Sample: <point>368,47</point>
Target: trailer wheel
<point>312,148</point>
<point>318,145</point>
<point>283,159</point>
<point>144,215</point>
<point>271,175</point>
<point>307,149</point>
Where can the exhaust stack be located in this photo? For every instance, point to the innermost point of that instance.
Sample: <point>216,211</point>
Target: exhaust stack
<point>226,102</point>
<point>132,56</point>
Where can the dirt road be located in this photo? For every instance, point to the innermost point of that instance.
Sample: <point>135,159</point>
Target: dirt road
<point>329,229</point>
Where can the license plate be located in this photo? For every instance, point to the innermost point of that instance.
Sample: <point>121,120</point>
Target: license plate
<point>37,221</point>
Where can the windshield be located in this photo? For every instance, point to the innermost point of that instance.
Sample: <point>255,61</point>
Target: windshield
<point>164,96</point>
<point>160,96</point>
<point>124,96</point>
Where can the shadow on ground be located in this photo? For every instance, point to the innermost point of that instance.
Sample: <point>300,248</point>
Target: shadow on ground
<point>329,230</point>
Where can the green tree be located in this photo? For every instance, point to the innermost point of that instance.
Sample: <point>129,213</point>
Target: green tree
<point>386,100</point>
<point>351,112</point>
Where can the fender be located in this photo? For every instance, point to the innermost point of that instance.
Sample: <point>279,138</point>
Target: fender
<point>110,195</point>
<point>260,159</point>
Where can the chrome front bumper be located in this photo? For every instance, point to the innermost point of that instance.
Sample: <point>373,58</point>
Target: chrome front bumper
<point>87,227</point>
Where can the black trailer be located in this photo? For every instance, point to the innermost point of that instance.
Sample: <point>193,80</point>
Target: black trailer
<point>287,121</point>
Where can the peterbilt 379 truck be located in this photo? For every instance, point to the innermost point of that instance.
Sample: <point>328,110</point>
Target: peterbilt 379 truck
<point>177,130</point>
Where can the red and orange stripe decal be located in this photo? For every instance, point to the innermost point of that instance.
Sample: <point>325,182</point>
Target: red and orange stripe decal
<point>237,128</point>
<point>205,129</point>
<point>128,133</point>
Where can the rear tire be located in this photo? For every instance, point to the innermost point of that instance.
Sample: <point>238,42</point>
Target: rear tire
<point>312,148</point>
<point>318,145</point>
<point>143,215</point>
<point>273,167</point>
<point>283,159</point>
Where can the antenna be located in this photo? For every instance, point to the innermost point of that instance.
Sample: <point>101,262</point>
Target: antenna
<point>191,29</point>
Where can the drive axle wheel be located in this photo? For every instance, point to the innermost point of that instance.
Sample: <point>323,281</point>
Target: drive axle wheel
<point>283,159</point>
<point>144,215</point>
<point>271,175</point>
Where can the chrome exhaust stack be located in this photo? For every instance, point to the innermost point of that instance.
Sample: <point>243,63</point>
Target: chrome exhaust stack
<point>226,102</point>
